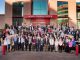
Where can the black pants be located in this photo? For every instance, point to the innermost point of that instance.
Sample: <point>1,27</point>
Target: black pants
<point>15,46</point>
<point>37,47</point>
<point>12,49</point>
<point>8,47</point>
<point>60,48</point>
<point>79,48</point>
<point>33,47</point>
<point>41,47</point>
<point>51,47</point>
<point>22,46</point>
<point>67,49</point>
<point>0,43</point>
<point>30,47</point>
<point>19,46</point>
<point>26,46</point>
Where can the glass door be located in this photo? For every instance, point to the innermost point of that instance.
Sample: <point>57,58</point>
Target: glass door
<point>17,21</point>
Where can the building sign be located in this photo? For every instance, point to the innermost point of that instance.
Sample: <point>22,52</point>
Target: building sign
<point>40,16</point>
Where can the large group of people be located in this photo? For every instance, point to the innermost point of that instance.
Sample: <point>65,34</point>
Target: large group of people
<point>40,38</point>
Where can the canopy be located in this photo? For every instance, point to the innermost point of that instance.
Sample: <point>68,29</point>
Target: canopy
<point>40,16</point>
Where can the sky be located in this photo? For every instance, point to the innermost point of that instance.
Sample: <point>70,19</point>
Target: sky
<point>2,6</point>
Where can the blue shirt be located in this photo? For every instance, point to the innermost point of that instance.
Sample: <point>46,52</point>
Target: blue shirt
<point>15,39</point>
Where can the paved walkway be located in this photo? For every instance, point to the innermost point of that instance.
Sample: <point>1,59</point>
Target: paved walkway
<point>23,55</point>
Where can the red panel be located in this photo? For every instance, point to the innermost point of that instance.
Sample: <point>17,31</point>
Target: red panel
<point>37,16</point>
<point>40,21</point>
<point>40,16</point>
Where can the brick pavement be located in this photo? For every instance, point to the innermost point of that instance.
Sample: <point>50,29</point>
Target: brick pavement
<point>26,55</point>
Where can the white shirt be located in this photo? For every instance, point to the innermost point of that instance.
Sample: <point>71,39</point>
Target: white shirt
<point>56,43</point>
<point>22,40</point>
<point>46,38</point>
<point>62,34</point>
<point>38,38</point>
<point>19,39</point>
<point>67,40</point>
<point>11,31</point>
<point>51,41</point>
<point>6,41</point>
<point>30,40</point>
<point>60,43</point>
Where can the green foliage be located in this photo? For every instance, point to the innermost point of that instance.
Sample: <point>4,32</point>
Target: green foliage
<point>18,4</point>
<point>6,26</point>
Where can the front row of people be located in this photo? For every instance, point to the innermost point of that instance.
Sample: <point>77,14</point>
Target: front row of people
<point>46,42</point>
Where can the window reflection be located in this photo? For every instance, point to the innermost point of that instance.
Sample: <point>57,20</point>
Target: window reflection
<point>40,7</point>
<point>2,6</point>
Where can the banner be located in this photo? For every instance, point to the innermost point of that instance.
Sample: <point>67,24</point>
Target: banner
<point>40,16</point>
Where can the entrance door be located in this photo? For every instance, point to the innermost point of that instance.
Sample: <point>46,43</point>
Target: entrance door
<point>40,21</point>
<point>17,21</point>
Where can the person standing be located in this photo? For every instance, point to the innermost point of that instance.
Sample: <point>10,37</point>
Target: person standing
<point>46,42</point>
<point>12,44</point>
<point>41,44</point>
<point>38,43</point>
<point>15,39</point>
<point>51,42</point>
<point>60,45</point>
<point>70,45</point>
<point>11,31</point>
<point>4,47</point>
<point>22,42</point>
<point>67,44</point>
<point>19,42</point>
<point>30,42</point>
<point>56,45</point>
<point>77,49</point>
<point>26,42</point>
<point>8,42</point>
<point>34,43</point>
<point>0,41</point>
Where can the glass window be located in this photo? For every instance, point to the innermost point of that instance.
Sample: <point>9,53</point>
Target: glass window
<point>2,6</point>
<point>17,21</point>
<point>44,5</point>
<point>17,9</point>
<point>43,12</point>
<point>40,12</point>
<point>40,7</point>
<point>36,5</point>
<point>36,12</point>
<point>17,13</point>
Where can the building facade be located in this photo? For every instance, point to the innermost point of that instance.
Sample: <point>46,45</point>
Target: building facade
<point>40,12</point>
